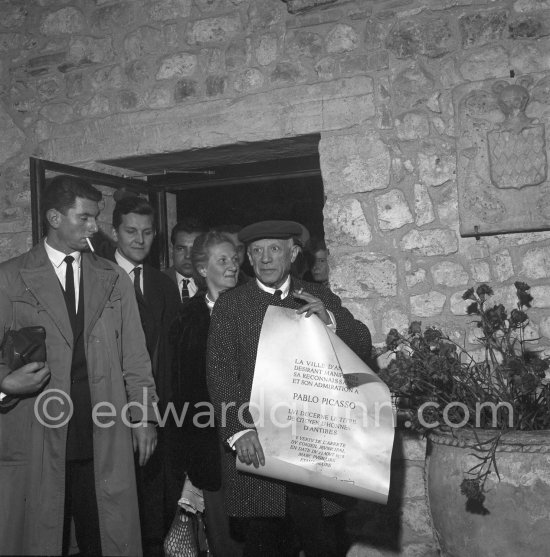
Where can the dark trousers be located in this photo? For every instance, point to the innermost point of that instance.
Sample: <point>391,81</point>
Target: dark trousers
<point>303,528</point>
<point>81,508</point>
<point>159,488</point>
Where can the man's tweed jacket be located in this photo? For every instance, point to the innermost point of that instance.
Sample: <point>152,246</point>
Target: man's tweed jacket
<point>232,346</point>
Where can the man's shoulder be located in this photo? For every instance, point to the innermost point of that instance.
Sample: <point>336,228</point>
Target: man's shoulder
<point>160,278</point>
<point>31,258</point>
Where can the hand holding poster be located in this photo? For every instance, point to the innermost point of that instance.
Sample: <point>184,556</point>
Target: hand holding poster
<point>323,417</point>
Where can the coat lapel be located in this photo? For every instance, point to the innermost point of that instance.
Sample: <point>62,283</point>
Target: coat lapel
<point>99,282</point>
<point>40,279</point>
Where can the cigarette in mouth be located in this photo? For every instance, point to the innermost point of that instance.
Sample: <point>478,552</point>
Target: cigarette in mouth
<point>90,244</point>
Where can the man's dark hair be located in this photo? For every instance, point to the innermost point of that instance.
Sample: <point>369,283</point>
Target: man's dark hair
<point>62,191</point>
<point>131,204</point>
<point>189,225</point>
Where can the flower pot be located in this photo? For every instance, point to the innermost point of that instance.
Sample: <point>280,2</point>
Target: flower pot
<point>518,519</point>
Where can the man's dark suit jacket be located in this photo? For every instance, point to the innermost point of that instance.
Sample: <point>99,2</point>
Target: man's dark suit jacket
<point>235,328</point>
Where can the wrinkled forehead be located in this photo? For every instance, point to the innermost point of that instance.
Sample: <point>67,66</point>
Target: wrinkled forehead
<point>286,243</point>
<point>185,238</point>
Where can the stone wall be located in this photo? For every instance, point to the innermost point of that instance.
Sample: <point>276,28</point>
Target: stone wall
<point>84,80</point>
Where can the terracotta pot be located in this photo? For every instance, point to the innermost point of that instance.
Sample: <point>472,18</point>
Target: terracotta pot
<point>518,521</point>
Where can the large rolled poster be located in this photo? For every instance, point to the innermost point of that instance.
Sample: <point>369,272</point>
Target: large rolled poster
<point>323,417</point>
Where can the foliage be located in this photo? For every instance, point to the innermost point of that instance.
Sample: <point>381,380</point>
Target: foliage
<point>443,386</point>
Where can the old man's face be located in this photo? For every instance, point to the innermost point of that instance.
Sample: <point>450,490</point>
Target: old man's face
<point>271,260</point>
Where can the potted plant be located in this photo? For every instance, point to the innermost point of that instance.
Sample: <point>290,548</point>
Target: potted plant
<point>486,414</point>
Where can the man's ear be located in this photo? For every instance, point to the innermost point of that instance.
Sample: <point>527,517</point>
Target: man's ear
<point>294,252</point>
<point>202,271</point>
<point>53,216</point>
<point>115,235</point>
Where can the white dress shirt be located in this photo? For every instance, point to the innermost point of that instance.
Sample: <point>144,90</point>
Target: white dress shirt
<point>191,286</point>
<point>129,267</point>
<point>60,268</point>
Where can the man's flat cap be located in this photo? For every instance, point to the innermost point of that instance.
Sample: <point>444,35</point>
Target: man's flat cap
<point>277,229</point>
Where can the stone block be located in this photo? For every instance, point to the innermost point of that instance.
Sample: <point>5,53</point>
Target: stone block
<point>84,51</point>
<point>287,73</point>
<point>57,112</point>
<point>531,57</point>
<point>528,28</point>
<point>544,326</point>
<point>47,89</point>
<point>448,273</point>
<point>184,89</point>
<point>394,318</point>
<point>38,65</point>
<point>412,125</point>
<point>206,6</point>
<point>427,37</point>
<point>362,312</point>
<point>74,84</point>
<point>109,77</point>
<point>325,68</point>
<point>393,210</point>
<point>215,30</point>
<point>14,16</point>
<point>415,277</point>
<point>434,170</point>
<point>536,263</point>
<point>491,61</point>
<point>127,100</point>
<point>161,10</point>
<point>249,80</point>
<point>161,96</point>
<point>428,305</point>
<point>481,28</point>
<point>142,41</point>
<point>215,85</point>
<point>502,266</point>
<point>341,38</point>
<point>345,112</point>
<point>212,60</point>
<point>354,163</point>
<point>237,54</point>
<point>436,241</point>
<point>300,44</point>
<point>423,205</point>
<point>345,222</point>
<point>374,275</point>
<point>98,105</point>
<point>182,64</point>
<point>541,296</point>
<point>11,41</point>
<point>266,51</point>
<point>141,71</point>
<point>480,271</point>
<point>11,138</point>
<point>413,447</point>
<point>119,16</point>
<point>64,21</point>
<point>528,6</point>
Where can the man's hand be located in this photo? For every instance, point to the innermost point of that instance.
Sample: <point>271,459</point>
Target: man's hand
<point>313,305</point>
<point>144,438</point>
<point>249,450</point>
<point>26,380</point>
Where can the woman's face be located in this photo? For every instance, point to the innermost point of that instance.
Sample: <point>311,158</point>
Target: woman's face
<point>320,268</point>
<point>221,270</point>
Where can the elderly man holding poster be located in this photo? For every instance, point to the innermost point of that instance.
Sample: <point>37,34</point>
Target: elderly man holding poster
<point>281,516</point>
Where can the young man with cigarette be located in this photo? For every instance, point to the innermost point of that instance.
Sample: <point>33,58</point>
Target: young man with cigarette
<point>66,441</point>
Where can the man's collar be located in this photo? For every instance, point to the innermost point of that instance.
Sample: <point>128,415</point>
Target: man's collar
<point>284,288</point>
<point>128,266</point>
<point>57,257</point>
<point>180,277</point>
